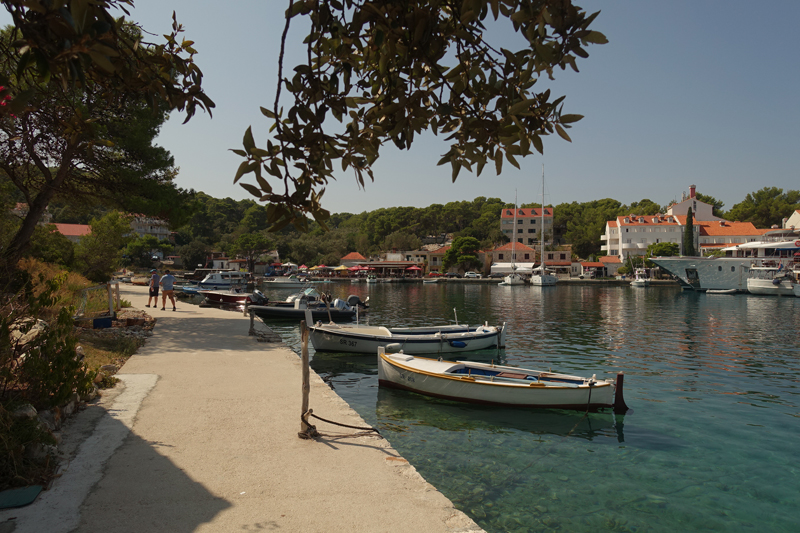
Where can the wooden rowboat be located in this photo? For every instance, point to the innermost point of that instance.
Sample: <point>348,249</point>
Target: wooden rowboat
<point>498,385</point>
<point>358,338</point>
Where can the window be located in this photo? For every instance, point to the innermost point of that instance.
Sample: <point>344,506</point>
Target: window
<point>499,256</point>
<point>527,256</point>
<point>531,230</point>
<point>719,268</point>
<point>733,269</point>
<point>563,257</point>
<point>519,230</point>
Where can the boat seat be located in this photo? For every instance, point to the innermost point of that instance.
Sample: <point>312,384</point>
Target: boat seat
<point>513,375</point>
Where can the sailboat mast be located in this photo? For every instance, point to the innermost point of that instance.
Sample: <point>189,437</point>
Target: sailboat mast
<point>541,236</point>
<point>514,236</point>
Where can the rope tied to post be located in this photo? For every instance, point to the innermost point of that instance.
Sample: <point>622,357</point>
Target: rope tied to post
<point>312,433</point>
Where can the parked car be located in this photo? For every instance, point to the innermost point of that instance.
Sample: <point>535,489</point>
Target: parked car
<point>452,275</point>
<point>497,275</point>
<point>473,275</point>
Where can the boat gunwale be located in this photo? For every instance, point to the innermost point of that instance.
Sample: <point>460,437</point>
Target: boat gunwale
<point>471,379</point>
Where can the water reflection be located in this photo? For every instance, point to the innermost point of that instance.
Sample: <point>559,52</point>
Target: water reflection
<point>712,380</point>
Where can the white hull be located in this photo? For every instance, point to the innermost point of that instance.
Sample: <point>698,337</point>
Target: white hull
<point>703,273</point>
<point>721,291</point>
<point>367,339</point>
<point>507,386</point>
<point>767,288</point>
<point>640,283</point>
<point>796,289</point>
<point>544,280</point>
<point>512,279</point>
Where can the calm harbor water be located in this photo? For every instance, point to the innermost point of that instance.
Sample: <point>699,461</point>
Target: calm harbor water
<point>712,380</point>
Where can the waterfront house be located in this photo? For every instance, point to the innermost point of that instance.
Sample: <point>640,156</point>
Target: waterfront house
<point>73,232</point>
<point>529,229</point>
<point>352,259</point>
<point>793,222</point>
<point>611,264</point>
<point>721,234</point>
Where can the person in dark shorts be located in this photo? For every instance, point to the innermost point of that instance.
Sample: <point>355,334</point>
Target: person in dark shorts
<point>167,281</point>
<point>154,280</point>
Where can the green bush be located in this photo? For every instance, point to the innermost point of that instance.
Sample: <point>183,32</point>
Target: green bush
<point>40,368</point>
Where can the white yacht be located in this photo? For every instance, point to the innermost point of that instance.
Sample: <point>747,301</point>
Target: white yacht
<point>731,271</point>
<point>640,278</point>
<point>770,280</point>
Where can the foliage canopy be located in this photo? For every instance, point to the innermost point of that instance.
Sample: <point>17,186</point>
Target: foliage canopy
<point>388,71</point>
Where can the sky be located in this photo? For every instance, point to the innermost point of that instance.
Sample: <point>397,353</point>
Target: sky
<point>686,92</point>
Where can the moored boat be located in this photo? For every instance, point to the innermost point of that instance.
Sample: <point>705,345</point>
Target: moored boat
<point>498,385</point>
<point>770,280</point>
<point>640,278</point>
<point>233,296</point>
<point>359,338</point>
<point>223,280</point>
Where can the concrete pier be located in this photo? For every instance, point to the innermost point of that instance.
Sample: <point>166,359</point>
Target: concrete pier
<point>201,436</point>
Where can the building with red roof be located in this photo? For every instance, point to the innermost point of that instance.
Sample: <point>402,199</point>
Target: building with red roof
<point>73,232</point>
<point>530,227</point>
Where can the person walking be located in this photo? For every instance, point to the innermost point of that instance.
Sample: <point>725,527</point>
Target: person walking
<point>154,279</point>
<point>167,282</point>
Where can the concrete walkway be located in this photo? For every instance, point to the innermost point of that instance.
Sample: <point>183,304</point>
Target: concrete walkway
<point>201,436</point>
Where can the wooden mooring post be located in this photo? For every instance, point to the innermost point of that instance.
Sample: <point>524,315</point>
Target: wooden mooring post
<point>306,385</point>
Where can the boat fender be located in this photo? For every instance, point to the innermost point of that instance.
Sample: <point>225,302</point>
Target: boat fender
<point>458,344</point>
<point>776,281</point>
<point>395,347</point>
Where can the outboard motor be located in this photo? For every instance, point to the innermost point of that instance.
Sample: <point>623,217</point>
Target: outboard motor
<point>353,301</point>
<point>260,298</point>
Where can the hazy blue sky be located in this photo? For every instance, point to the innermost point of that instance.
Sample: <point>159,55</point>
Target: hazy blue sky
<point>686,92</point>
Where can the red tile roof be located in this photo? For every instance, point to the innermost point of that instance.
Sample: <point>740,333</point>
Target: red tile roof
<point>73,230</point>
<point>610,259</point>
<point>527,212</point>
<point>720,228</point>
<point>354,256</point>
<point>592,264</point>
<point>519,247</point>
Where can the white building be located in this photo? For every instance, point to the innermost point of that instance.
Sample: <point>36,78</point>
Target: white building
<point>700,209</point>
<point>144,225</point>
<point>793,222</point>
<point>530,229</point>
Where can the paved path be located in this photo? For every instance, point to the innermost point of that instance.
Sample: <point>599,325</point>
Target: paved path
<point>201,436</point>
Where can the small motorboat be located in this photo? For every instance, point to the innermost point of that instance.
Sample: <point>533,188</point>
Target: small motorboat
<point>234,296</point>
<point>359,338</point>
<point>324,308</point>
<point>721,291</point>
<point>640,278</point>
<point>491,384</point>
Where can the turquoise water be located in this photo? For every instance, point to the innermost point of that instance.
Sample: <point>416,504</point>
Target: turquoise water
<point>711,442</point>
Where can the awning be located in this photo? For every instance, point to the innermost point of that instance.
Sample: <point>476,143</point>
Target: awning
<point>413,267</point>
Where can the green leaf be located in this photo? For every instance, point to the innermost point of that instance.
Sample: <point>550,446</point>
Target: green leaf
<point>248,141</point>
<point>569,119</point>
<point>524,105</point>
<point>562,133</point>
<point>252,189</point>
<point>595,37</point>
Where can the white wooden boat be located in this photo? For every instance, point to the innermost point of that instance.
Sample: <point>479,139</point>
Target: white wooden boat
<point>721,291</point>
<point>357,338</point>
<point>497,385</point>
